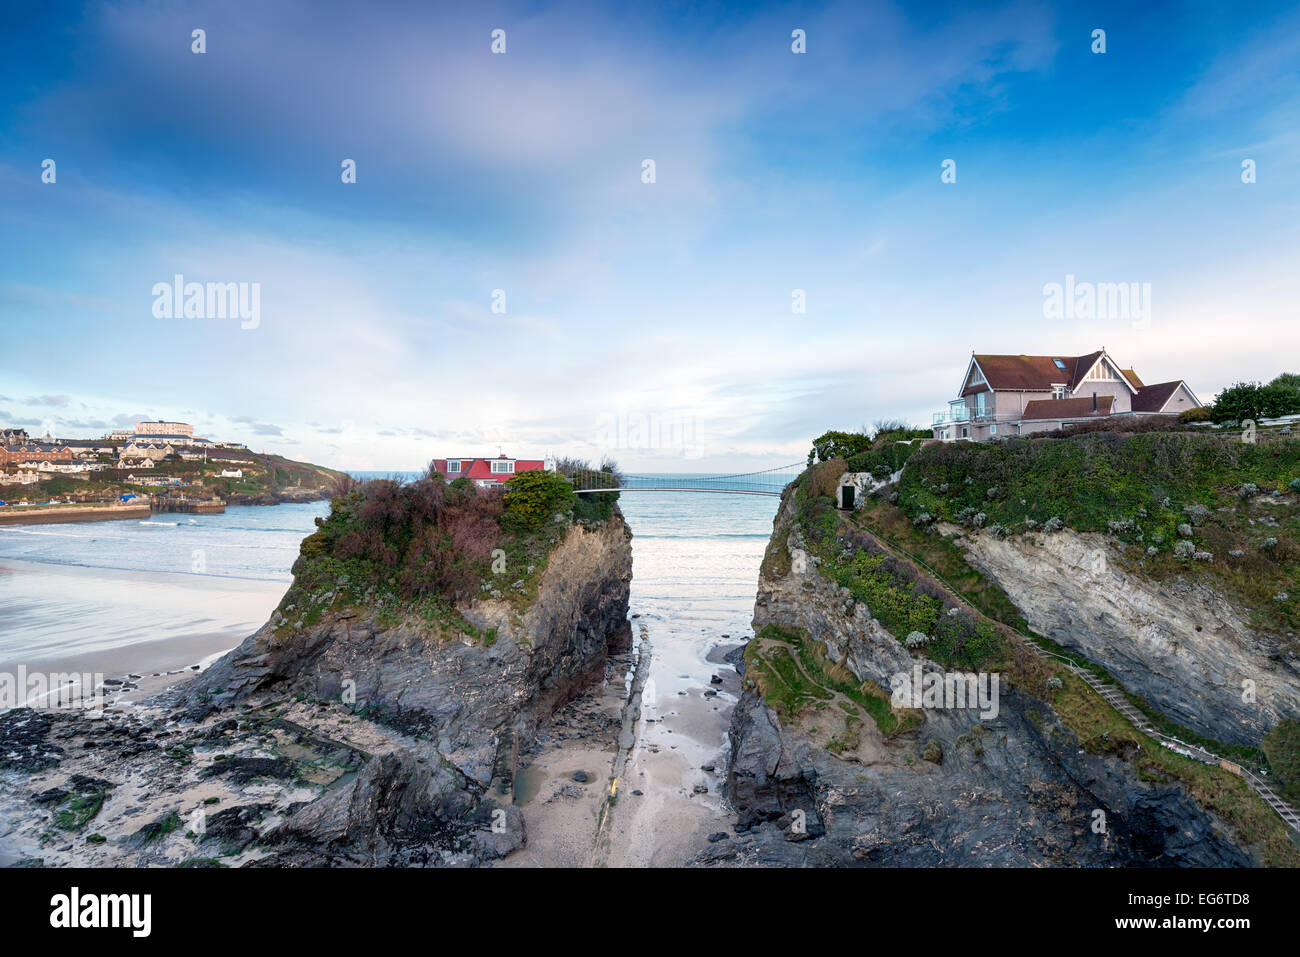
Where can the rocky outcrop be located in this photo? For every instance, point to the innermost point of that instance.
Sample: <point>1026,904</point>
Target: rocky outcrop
<point>464,694</point>
<point>354,741</point>
<point>1016,791</point>
<point>956,789</point>
<point>401,810</point>
<point>1181,645</point>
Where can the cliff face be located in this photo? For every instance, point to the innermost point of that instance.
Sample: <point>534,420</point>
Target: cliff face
<point>1181,645</point>
<point>953,788</point>
<point>357,736</point>
<point>467,695</point>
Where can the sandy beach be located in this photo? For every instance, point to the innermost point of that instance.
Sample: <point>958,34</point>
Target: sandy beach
<point>59,618</point>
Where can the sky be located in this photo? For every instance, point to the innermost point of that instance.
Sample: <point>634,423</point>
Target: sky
<point>501,276</point>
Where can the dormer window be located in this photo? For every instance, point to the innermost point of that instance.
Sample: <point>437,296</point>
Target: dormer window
<point>500,467</point>
<point>453,465</point>
<point>1058,392</point>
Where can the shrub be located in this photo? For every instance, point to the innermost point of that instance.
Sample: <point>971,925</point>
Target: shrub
<point>1202,413</point>
<point>531,498</point>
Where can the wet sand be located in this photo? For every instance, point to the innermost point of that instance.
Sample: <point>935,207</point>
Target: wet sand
<point>56,618</point>
<point>652,755</point>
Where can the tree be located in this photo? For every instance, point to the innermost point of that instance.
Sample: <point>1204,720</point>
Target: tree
<point>1250,400</point>
<point>1288,380</point>
<point>830,445</point>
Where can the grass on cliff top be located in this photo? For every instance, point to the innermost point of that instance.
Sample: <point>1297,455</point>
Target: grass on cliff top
<point>897,595</point>
<point>419,551</point>
<point>1140,489</point>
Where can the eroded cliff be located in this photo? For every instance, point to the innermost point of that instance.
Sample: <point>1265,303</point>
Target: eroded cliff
<point>1181,644</point>
<point>360,726</point>
<point>826,769</point>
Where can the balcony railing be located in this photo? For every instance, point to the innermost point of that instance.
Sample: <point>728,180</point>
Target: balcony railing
<point>962,413</point>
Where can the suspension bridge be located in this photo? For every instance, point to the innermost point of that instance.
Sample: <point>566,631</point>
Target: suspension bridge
<point>767,482</point>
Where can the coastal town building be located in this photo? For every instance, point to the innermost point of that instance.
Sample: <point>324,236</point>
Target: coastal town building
<point>35,452</point>
<point>486,473</point>
<point>21,477</point>
<point>160,428</point>
<point>70,468</point>
<point>152,450</point>
<point>14,437</point>
<point>1009,395</point>
<point>232,473</point>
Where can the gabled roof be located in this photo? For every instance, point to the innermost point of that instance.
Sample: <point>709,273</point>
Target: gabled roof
<point>1132,378</point>
<point>1078,408</point>
<point>1023,373</point>
<point>1152,398</point>
<point>1036,373</point>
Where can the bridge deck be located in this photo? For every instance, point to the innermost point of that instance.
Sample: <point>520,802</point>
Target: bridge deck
<point>768,482</point>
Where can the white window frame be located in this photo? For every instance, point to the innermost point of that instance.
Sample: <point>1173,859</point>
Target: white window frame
<point>503,468</point>
<point>1058,392</point>
<point>453,465</point>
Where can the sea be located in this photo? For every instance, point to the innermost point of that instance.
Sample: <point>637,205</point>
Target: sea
<point>176,590</point>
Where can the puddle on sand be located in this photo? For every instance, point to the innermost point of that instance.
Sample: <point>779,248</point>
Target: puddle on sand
<point>528,781</point>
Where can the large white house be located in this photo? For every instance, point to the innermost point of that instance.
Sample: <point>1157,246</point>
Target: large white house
<point>1005,395</point>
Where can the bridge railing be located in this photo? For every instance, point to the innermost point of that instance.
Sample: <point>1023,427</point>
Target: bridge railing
<point>766,482</point>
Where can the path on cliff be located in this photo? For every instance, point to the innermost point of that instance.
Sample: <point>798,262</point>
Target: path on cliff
<point>1111,694</point>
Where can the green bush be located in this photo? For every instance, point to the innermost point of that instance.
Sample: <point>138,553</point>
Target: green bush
<point>1250,400</point>
<point>531,498</point>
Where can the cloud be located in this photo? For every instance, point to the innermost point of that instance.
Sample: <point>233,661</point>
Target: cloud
<point>56,401</point>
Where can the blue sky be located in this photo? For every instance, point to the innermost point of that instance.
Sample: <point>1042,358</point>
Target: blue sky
<point>649,321</point>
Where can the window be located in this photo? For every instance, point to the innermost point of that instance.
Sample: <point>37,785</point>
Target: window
<point>1058,392</point>
<point>1060,364</point>
<point>993,430</point>
<point>502,468</point>
<point>453,465</point>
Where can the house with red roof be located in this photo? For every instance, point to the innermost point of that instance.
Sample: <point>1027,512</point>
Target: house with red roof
<point>1005,395</point>
<point>486,473</point>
